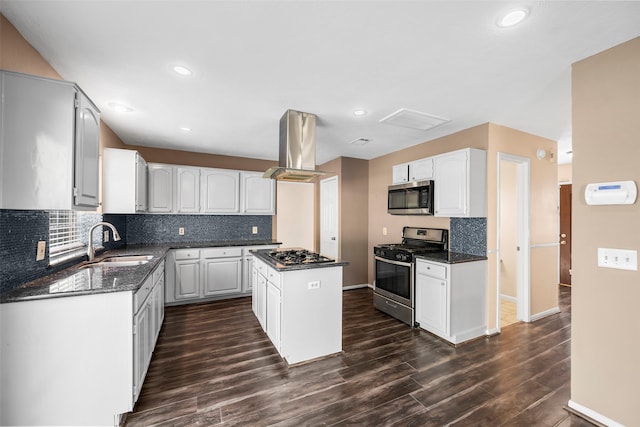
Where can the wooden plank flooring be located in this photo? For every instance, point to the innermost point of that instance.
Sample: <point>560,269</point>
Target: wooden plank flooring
<point>214,366</point>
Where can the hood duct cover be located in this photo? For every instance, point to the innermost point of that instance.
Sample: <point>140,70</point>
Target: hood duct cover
<point>297,148</point>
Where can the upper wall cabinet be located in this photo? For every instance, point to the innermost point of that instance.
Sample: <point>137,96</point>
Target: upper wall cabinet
<point>49,143</point>
<point>258,194</point>
<point>160,188</point>
<point>220,191</point>
<point>209,191</point>
<point>417,170</point>
<point>124,185</point>
<point>460,180</point>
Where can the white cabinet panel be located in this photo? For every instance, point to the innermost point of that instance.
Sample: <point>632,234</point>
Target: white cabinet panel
<point>49,145</point>
<point>222,276</point>
<point>460,183</point>
<point>421,169</point>
<point>451,299</point>
<point>220,191</point>
<point>400,173</point>
<point>160,188</point>
<point>274,313</point>
<point>258,194</point>
<point>124,187</point>
<point>187,281</point>
<point>187,193</point>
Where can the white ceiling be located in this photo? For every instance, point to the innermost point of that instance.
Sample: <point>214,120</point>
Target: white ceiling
<point>252,60</point>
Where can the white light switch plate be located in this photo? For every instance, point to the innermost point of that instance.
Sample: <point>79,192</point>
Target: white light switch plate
<point>621,259</point>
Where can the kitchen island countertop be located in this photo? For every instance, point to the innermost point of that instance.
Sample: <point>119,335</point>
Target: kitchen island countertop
<point>264,256</point>
<point>78,280</point>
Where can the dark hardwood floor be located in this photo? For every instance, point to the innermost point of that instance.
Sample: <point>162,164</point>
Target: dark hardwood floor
<point>214,365</point>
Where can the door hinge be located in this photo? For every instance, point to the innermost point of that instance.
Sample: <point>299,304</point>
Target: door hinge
<point>135,329</point>
<point>75,191</point>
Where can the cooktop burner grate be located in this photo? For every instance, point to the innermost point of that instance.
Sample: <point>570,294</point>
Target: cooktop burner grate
<point>298,256</point>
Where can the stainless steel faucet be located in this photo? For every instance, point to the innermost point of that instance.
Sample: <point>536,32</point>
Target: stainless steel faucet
<point>90,251</point>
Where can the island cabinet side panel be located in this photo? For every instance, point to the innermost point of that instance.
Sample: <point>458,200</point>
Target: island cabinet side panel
<point>311,313</point>
<point>66,361</point>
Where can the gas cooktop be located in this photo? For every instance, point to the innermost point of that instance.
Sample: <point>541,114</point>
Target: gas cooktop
<point>298,257</point>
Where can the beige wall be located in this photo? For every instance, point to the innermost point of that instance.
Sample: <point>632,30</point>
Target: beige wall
<point>605,349</point>
<point>353,199</point>
<point>380,178</point>
<point>296,214</point>
<point>564,173</point>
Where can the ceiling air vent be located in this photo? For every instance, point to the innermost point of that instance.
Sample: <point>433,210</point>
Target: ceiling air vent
<point>413,119</point>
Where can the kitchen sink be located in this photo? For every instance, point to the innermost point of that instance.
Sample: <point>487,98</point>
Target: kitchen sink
<point>120,261</point>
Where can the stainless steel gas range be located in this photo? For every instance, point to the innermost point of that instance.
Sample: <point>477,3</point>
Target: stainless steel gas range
<point>394,291</point>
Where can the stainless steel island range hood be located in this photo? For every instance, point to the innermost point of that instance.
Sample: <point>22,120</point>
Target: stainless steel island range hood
<point>297,148</point>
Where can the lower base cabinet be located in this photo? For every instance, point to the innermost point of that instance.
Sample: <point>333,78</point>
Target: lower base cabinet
<point>451,299</point>
<point>195,275</point>
<point>147,322</point>
<point>78,360</point>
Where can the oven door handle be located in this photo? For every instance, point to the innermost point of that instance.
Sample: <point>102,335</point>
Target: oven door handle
<point>390,261</point>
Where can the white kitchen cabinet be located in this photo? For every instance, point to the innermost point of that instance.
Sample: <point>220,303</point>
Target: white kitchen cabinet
<point>187,275</point>
<point>400,173</point>
<point>258,194</point>
<point>274,315</point>
<point>160,188</point>
<point>49,144</point>
<point>187,190</point>
<point>148,305</point>
<point>220,191</point>
<point>222,271</point>
<point>420,170</point>
<point>300,310</point>
<point>247,266</point>
<point>124,184</point>
<point>460,181</point>
<point>451,299</point>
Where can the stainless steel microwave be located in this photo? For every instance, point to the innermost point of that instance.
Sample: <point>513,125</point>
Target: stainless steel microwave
<point>412,198</point>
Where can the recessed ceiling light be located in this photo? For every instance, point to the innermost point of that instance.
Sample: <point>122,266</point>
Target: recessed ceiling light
<point>359,113</point>
<point>182,70</point>
<point>120,108</point>
<point>185,128</point>
<point>513,17</point>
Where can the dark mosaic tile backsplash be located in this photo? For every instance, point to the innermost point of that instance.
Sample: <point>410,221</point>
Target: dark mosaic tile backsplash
<point>468,235</point>
<point>20,232</point>
<point>197,228</point>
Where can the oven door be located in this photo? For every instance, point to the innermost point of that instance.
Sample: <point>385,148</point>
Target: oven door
<point>394,280</point>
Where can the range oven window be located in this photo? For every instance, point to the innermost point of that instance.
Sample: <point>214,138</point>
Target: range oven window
<point>394,278</point>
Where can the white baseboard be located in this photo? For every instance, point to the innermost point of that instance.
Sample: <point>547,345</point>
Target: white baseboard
<point>543,314</point>
<point>508,298</point>
<point>348,288</point>
<point>593,414</point>
<point>491,332</point>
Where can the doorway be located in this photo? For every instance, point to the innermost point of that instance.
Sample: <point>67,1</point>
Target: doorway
<point>513,259</point>
<point>565,234</point>
<point>329,244</point>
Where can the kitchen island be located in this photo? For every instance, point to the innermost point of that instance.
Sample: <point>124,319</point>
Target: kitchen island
<point>299,305</point>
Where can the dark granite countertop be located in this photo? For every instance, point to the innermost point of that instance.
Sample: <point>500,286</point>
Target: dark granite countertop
<point>448,257</point>
<point>78,280</point>
<point>264,256</point>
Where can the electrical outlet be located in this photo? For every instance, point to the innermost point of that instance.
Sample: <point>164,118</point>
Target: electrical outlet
<point>384,231</point>
<point>618,258</point>
<point>42,246</point>
<point>105,236</point>
<point>314,285</point>
<point>254,229</point>
<point>181,231</point>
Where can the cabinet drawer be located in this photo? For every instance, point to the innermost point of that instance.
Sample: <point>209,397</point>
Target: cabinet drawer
<point>187,254</point>
<point>431,269</point>
<point>274,277</point>
<point>260,266</point>
<point>221,252</point>
<point>158,272</point>
<point>141,294</point>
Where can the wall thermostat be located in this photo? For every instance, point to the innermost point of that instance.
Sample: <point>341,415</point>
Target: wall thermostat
<point>611,193</point>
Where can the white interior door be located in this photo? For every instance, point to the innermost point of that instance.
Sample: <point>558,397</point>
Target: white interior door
<point>329,237</point>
